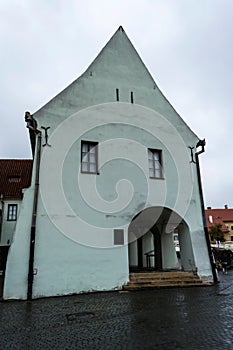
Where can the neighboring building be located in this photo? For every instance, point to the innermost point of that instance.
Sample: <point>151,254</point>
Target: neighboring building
<point>15,175</point>
<point>115,171</point>
<point>223,217</point>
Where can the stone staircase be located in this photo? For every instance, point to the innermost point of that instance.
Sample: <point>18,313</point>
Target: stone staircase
<point>144,280</point>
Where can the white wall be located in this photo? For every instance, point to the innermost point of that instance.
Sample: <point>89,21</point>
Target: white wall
<point>73,218</point>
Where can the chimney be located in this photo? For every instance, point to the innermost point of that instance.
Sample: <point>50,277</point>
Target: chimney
<point>209,208</point>
<point>226,206</point>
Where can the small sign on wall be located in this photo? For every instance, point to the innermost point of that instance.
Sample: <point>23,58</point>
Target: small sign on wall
<point>118,236</point>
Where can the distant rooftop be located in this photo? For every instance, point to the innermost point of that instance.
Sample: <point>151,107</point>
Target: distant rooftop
<point>219,216</point>
<point>15,175</point>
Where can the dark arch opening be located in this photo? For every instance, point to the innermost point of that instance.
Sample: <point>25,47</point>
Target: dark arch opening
<point>151,243</point>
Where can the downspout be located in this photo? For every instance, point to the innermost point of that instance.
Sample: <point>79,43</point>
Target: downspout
<point>31,124</point>
<point>2,214</point>
<point>201,143</point>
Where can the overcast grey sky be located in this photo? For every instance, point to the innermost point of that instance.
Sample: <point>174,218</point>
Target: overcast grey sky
<point>185,44</point>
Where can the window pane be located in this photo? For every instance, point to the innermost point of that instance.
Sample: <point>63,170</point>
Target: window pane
<point>157,165</point>
<point>157,173</point>
<point>92,157</point>
<point>84,147</point>
<point>151,164</point>
<point>84,157</point>
<point>156,155</point>
<point>150,155</point>
<point>151,172</point>
<point>92,149</point>
<point>84,166</point>
<point>92,167</point>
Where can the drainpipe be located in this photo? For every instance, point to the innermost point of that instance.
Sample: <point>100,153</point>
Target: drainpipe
<point>31,124</point>
<point>2,214</point>
<point>202,143</point>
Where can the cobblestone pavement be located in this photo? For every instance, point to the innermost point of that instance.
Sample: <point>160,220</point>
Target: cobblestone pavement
<point>180,318</point>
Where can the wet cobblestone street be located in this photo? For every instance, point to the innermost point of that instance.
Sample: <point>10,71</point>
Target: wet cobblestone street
<point>182,318</point>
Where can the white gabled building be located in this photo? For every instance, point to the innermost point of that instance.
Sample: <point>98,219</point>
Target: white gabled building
<point>115,172</point>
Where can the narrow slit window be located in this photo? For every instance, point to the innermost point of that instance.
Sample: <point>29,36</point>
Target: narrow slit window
<point>89,157</point>
<point>131,97</point>
<point>12,212</point>
<point>117,94</point>
<point>155,163</point>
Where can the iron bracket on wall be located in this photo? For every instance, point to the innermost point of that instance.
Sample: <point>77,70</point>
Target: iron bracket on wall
<point>192,155</point>
<point>46,136</point>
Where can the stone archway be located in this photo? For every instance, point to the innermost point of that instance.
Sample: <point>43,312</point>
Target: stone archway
<point>151,244</point>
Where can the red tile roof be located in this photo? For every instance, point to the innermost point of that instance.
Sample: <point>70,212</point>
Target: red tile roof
<point>219,216</point>
<point>15,174</point>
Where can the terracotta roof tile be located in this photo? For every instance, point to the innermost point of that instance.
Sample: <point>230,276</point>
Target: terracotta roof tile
<point>15,174</point>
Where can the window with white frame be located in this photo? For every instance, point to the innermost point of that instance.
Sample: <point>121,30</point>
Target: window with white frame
<point>89,157</point>
<point>12,212</point>
<point>155,163</point>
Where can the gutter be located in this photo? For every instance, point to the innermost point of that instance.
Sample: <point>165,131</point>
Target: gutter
<point>32,125</point>
<point>202,143</point>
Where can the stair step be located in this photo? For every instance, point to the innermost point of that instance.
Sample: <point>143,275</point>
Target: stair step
<point>143,278</point>
<point>157,274</point>
<point>164,285</point>
<point>163,279</point>
<point>162,282</point>
<point>180,280</point>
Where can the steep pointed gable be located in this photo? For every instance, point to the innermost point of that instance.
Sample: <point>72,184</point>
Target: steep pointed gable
<point>119,58</point>
<point>117,67</point>
<point>117,64</point>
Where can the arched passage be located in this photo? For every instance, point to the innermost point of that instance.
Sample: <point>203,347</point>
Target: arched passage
<point>151,244</point>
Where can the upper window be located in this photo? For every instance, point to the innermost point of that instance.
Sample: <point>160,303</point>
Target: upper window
<point>12,212</point>
<point>89,157</point>
<point>155,163</point>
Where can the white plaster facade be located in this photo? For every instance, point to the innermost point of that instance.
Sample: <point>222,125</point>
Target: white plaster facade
<point>117,104</point>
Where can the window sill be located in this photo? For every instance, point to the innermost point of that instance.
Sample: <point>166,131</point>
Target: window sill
<point>89,173</point>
